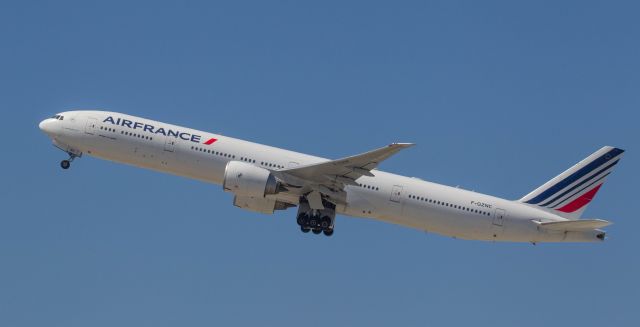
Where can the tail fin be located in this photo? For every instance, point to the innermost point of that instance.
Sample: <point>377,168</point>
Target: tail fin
<point>569,193</point>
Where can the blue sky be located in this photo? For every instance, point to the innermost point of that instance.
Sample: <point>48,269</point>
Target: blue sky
<point>499,96</point>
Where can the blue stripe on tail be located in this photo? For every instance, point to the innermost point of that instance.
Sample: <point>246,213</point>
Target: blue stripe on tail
<point>595,164</point>
<point>579,184</point>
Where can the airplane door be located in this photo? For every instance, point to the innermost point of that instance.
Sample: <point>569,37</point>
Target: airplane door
<point>396,193</point>
<point>170,143</point>
<point>498,218</point>
<point>91,126</point>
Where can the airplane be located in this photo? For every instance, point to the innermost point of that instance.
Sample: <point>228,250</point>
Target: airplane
<point>264,179</point>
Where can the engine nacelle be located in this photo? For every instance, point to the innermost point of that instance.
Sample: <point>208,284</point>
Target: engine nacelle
<point>247,180</point>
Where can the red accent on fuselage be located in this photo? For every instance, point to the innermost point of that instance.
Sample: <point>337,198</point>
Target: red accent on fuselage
<point>210,141</point>
<point>581,201</point>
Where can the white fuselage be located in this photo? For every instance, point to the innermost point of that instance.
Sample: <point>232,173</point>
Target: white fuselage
<point>388,197</point>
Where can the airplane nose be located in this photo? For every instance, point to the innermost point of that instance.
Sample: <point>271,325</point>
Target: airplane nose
<point>46,126</point>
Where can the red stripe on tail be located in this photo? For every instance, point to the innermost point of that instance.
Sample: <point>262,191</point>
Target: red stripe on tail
<point>581,201</point>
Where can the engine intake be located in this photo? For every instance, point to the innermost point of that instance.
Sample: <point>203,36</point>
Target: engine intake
<point>245,179</point>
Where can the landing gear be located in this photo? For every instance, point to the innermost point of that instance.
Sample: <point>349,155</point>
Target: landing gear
<point>316,221</point>
<point>303,219</point>
<point>325,222</point>
<point>65,164</point>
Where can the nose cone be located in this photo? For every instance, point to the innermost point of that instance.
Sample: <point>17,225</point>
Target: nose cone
<point>47,126</point>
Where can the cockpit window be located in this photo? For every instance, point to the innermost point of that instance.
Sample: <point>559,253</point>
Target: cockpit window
<point>61,117</point>
<point>58,117</point>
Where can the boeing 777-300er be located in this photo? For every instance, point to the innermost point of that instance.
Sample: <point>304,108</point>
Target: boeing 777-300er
<point>264,178</point>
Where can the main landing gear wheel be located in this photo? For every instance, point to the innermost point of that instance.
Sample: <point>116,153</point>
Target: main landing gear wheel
<point>313,222</point>
<point>325,222</point>
<point>303,219</point>
<point>318,221</point>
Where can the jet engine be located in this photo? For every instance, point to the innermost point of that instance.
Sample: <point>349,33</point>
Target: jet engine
<point>247,180</point>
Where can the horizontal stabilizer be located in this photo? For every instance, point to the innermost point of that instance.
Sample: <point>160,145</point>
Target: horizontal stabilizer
<point>575,225</point>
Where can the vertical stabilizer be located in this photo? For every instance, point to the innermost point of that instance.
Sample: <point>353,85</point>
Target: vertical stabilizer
<point>569,193</point>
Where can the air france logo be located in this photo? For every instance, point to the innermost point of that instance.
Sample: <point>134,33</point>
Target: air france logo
<point>152,129</point>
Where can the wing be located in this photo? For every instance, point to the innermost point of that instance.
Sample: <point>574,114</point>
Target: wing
<point>330,177</point>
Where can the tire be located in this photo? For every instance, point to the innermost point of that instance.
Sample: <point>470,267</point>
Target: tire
<point>328,232</point>
<point>305,229</point>
<point>303,219</point>
<point>325,222</point>
<point>65,164</point>
<point>316,231</point>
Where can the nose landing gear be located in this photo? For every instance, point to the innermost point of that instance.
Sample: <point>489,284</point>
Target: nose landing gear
<point>66,164</point>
